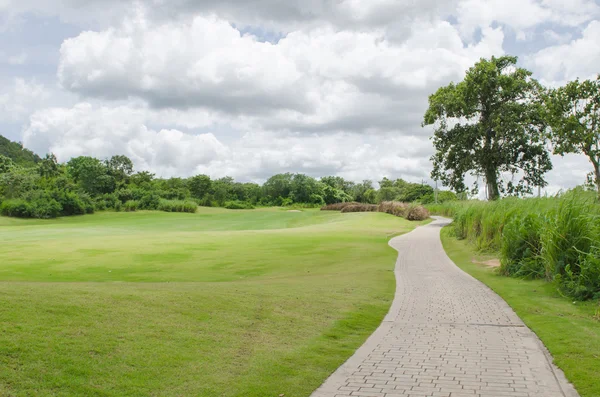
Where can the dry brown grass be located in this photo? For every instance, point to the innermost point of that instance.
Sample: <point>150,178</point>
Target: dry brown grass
<point>411,212</point>
<point>395,208</point>
<point>338,206</point>
<point>417,213</point>
<point>360,208</point>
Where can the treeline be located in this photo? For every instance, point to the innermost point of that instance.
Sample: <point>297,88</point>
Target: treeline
<point>47,189</point>
<point>552,238</point>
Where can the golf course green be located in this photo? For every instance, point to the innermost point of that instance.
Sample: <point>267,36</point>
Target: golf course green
<point>265,302</point>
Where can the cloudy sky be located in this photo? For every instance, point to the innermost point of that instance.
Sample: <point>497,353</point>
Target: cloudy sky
<point>249,88</point>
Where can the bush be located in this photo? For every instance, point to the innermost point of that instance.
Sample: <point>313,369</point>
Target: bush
<point>16,208</point>
<point>360,208</point>
<point>45,208</point>
<point>72,203</point>
<point>177,206</point>
<point>417,213</point>
<point>131,206</point>
<point>394,208</point>
<point>238,205</point>
<point>149,201</point>
<point>338,206</point>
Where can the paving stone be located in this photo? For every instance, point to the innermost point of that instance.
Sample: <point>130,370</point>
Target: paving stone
<point>446,335</point>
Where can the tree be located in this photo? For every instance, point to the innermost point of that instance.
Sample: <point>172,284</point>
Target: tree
<point>6,164</point>
<point>199,186</point>
<point>119,167</point>
<point>49,167</point>
<point>574,115</point>
<point>278,186</point>
<point>490,123</point>
<point>91,174</point>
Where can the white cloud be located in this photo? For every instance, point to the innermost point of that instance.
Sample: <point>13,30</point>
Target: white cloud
<point>103,131</point>
<point>577,59</point>
<point>523,15</point>
<point>106,131</point>
<point>21,98</point>
<point>317,80</point>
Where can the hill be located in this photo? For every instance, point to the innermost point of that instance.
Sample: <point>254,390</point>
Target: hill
<point>17,153</point>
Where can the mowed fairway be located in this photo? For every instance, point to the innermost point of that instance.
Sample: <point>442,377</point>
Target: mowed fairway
<point>218,303</point>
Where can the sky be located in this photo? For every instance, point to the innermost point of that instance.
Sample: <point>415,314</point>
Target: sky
<point>251,88</point>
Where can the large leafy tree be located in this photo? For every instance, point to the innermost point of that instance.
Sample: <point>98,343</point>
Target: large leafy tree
<point>489,124</point>
<point>574,115</point>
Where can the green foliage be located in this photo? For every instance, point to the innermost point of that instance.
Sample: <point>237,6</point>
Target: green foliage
<point>131,206</point>
<point>573,111</point>
<point>199,186</point>
<point>238,205</point>
<point>18,154</point>
<point>490,123</point>
<point>6,164</point>
<point>554,238</point>
<point>178,206</point>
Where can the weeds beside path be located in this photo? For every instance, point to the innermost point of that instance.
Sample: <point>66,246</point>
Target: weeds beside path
<point>570,331</point>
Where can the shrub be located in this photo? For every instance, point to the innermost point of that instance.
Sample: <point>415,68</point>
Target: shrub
<point>177,206</point>
<point>338,206</point>
<point>131,206</point>
<point>71,203</point>
<point>17,207</point>
<point>45,208</point>
<point>238,205</point>
<point>149,201</point>
<point>417,213</point>
<point>360,208</point>
<point>395,208</point>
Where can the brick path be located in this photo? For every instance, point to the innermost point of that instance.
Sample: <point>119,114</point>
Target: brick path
<point>446,335</point>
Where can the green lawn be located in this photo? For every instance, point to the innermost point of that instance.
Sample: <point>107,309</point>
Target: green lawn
<point>218,303</point>
<point>571,331</point>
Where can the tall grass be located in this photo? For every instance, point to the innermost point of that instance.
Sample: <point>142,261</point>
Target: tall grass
<point>411,212</point>
<point>556,238</point>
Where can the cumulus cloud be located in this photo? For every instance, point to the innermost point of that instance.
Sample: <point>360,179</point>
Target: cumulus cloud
<point>106,131</point>
<point>21,98</point>
<point>577,59</point>
<point>249,88</point>
<point>102,131</point>
<point>316,80</point>
<point>523,15</point>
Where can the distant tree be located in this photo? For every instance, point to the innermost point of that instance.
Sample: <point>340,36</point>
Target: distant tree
<point>49,167</point>
<point>278,186</point>
<point>490,123</point>
<point>91,174</point>
<point>142,179</point>
<point>574,115</point>
<point>415,191</point>
<point>199,186</point>
<point>120,167</point>
<point>306,189</point>
<point>359,191</point>
<point>387,193</point>
<point>6,164</point>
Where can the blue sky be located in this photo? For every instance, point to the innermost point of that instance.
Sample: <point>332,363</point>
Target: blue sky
<point>252,88</point>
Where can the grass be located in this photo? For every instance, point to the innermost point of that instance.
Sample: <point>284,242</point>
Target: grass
<point>570,331</point>
<point>218,303</point>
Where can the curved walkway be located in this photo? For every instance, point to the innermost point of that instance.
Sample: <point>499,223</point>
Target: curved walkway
<point>446,334</point>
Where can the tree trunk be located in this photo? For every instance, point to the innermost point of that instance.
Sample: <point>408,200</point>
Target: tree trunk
<point>491,179</point>
<point>597,175</point>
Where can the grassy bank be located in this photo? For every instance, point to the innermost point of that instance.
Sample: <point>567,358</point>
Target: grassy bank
<point>570,330</point>
<point>553,238</point>
<point>217,303</point>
